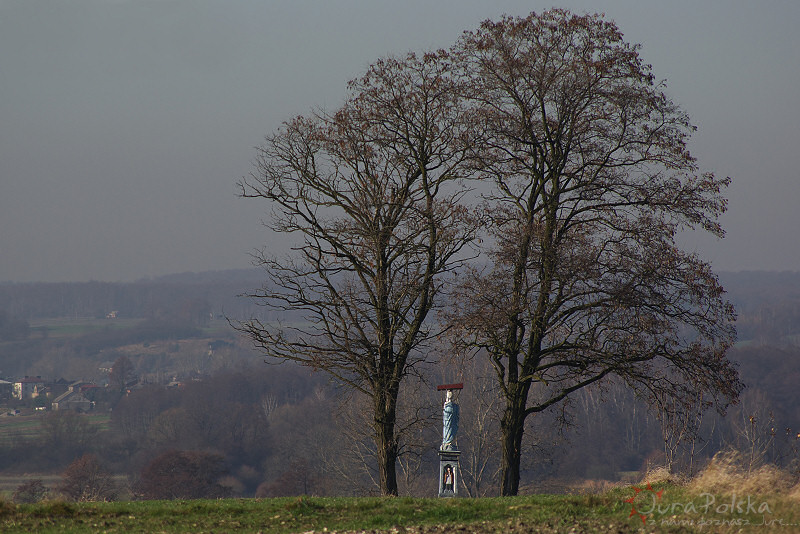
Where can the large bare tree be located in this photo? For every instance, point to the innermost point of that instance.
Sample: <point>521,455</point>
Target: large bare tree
<point>372,190</point>
<point>591,181</point>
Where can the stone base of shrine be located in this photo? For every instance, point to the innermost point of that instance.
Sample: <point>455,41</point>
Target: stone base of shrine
<point>448,473</point>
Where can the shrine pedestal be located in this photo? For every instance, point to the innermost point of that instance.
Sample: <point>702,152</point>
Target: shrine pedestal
<point>448,473</point>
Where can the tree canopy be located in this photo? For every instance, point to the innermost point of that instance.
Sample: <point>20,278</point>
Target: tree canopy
<point>372,189</point>
<point>586,177</point>
<point>591,182</point>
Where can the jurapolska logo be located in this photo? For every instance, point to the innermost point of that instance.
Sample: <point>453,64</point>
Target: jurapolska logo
<point>704,510</point>
<point>643,497</point>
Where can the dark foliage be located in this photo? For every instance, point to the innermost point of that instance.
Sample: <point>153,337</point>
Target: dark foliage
<point>66,434</point>
<point>123,374</point>
<point>298,479</point>
<point>183,475</point>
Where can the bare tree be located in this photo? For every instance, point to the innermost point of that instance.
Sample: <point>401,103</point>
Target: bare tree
<point>31,491</point>
<point>591,181</point>
<point>478,430</point>
<point>67,434</point>
<point>372,191</point>
<point>353,461</point>
<point>676,430</point>
<point>123,374</point>
<point>752,430</point>
<point>86,480</point>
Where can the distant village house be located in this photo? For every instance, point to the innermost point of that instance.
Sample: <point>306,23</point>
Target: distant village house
<point>28,387</point>
<point>75,398</point>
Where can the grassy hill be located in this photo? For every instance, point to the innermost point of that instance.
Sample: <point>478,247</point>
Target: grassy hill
<point>726,497</point>
<point>29,427</point>
<point>668,507</point>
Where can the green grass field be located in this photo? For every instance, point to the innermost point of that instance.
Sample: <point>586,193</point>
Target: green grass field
<point>675,510</point>
<point>29,427</point>
<point>73,327</point>
<point>20,427</point>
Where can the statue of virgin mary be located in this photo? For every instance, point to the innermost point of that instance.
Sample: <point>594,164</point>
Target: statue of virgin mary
<point>450,423</point>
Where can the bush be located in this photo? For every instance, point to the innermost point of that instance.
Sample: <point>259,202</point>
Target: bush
<point>29,492</point>
<point>297,480</point>
<point>183,475</point>
<point>86,480</point>
<point>6,508</point>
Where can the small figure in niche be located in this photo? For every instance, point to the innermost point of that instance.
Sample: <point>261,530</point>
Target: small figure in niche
<point>447,479</point>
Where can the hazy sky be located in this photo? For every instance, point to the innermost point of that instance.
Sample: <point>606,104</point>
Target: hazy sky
<point>125,124</point>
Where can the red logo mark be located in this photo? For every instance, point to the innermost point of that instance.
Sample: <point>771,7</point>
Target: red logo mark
<point>656,496</point>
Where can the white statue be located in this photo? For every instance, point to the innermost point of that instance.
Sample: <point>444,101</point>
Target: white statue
<point>450,420</point>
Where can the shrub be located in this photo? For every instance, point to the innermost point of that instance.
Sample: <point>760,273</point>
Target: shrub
<point>297,480</point>
<point>7,509</point>
<point>183,475</point>
<point>30,492</point>
<point>86,480</point>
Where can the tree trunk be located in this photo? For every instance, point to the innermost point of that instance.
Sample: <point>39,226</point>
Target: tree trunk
<point>387,460</point>
<point>386,443</point>
<point>512,427</point>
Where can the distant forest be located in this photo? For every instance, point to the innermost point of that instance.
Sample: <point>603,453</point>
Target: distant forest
<point>199,389</point>
<point>179,296</point>
<point>768,303</point>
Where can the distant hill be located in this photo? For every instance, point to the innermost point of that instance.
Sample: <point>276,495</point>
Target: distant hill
<point>749,288</point>
<point>171,295</point>
<point>249,276</point>
<point>767,303</point>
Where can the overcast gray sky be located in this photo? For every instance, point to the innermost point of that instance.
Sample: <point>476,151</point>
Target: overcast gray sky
<point>125,124</point>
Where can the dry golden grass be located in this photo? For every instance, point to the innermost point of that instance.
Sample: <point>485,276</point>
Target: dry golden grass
<point>661,474</point>
<point>726,474</point>
<point>595,486</point>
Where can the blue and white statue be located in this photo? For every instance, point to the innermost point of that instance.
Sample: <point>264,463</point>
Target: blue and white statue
<point>450,420</point>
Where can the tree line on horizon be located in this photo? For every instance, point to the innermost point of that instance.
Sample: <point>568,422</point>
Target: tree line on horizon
<point>263,426</point>
<point>270,431</point>
<point>610,431</point>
